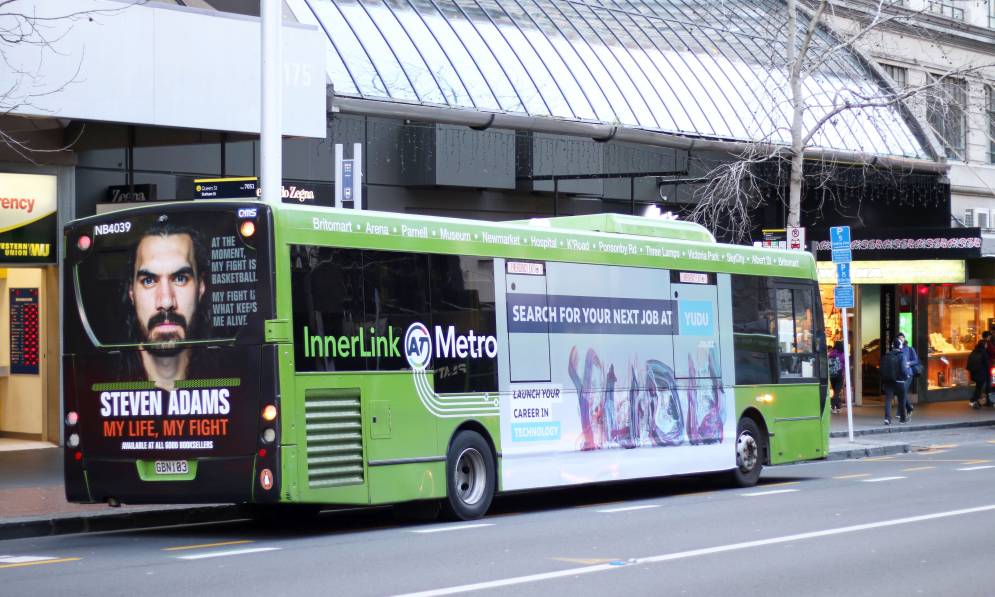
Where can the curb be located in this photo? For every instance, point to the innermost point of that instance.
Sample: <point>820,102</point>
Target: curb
<point>853,453</point>
<point>900,428</point>
<point>93,523</point>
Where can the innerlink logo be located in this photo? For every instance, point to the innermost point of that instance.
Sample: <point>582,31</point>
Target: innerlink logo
<point>419,346</point>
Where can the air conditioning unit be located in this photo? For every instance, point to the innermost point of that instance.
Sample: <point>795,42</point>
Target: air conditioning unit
<point>981,218</point>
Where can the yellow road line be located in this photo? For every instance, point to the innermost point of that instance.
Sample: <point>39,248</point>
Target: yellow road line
<point>930,452</point>
<point>917,468</point>
<point>991,441</point>
<point>779,484</point>
<point>976,461</point>
<point>23,564</point>
<point>878,458</point>
<point>203,545</point>
<point>942,446</point>
<point>854,476</point>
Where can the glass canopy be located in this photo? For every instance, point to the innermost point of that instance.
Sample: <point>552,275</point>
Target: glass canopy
<point>707,68</point>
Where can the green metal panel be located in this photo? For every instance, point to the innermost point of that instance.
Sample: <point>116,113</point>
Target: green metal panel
<point>380,421</point>
<point>797,428</point>
<point>334,432</point>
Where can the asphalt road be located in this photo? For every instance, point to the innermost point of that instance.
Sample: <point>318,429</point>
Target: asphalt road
<point>918,523</point>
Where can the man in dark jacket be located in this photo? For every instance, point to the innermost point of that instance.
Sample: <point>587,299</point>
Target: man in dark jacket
<point>895,372</point>
<point>979,367</point>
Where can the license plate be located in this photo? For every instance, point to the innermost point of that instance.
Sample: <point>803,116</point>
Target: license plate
<point>171,467</point>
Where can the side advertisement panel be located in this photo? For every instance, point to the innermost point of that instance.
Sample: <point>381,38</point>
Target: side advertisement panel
<point>633,386</point>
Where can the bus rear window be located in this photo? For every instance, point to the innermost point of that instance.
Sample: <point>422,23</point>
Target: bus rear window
<point>169,277</point>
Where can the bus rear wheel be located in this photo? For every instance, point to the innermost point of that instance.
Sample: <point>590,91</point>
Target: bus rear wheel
<point>749,453</point>
<point>470,477</point>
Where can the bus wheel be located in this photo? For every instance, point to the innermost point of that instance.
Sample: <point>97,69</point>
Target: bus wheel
<point>749,453</point>
<point>470,477</point>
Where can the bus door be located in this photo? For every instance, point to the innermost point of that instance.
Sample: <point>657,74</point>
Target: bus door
<point>797,409</point>
<point>528,332</point>
<point>697,353</point>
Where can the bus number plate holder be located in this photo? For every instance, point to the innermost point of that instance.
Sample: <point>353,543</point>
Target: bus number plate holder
<point>171,467</point>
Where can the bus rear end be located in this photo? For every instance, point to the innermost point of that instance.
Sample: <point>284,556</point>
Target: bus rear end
<point>170,390</point>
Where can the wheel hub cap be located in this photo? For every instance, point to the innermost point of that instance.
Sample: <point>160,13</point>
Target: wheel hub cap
<point>746,452</point>
<point>469,476</point>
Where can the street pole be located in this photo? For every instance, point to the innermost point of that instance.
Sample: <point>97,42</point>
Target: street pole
<point>271,131</point>
<point>846,374</point>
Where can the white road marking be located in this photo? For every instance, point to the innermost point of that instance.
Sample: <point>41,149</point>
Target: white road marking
<point>976,468</point>
<point>518,580</point>
<point>221,554</point>
<point>458,527</point>
<point>771,492</point>
<point>24,559</point>
<point>628,508</point>
<point>879,479</point>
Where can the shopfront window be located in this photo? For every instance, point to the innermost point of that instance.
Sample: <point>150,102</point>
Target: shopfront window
<point>957,317</point>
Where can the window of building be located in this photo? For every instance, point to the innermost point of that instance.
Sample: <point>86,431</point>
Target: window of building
<point>990,103</point>
<point>957,317</point>
<point>898,74</point>
<point>991,14</point>
<point>946,103</point>
<point>969,217</point>
<point>947,9</point>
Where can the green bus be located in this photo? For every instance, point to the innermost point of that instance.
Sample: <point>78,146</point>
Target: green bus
<point>240,352</point>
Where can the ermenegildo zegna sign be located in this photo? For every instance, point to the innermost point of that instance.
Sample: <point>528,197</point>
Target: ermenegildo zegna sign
<point>27,218</point>
<point>905,243</point>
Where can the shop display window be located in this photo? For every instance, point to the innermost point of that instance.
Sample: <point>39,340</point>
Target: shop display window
<point>957,317</point>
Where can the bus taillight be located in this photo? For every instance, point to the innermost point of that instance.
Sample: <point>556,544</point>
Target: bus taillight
<point>73,440</point>
<point>269,412</point>
<point>269,435</point>
<point>83,242</point>
<point>72,417</point>
<point>248,228</point>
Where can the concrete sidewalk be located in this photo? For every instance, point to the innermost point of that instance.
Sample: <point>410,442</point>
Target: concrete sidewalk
<point>33,503</point>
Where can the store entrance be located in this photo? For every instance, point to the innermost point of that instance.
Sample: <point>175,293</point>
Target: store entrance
<point>29,354</point>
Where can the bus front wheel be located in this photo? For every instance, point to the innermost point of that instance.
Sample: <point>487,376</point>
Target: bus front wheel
<point>470,477</point>
<point>749,453</point>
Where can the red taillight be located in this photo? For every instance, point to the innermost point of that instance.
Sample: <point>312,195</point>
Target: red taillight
<point>72,417</point>
<point>262,452</point>
<point>83,242</point>
<point>78,456</point>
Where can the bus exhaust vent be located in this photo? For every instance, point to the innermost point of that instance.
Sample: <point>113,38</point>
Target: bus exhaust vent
<point>334,437</point>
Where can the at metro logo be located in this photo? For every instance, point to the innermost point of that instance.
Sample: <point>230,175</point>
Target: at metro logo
<point>419,346</point>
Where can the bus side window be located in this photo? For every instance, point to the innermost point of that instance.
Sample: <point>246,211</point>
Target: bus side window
<point>796,333</point>
<point>754,343</point>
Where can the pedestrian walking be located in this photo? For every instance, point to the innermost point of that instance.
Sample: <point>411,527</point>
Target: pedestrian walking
<point>915,366</point>
<point>989,340</point>
<point>836,364</point>
<point>979,368</point>
<point>895,372</point>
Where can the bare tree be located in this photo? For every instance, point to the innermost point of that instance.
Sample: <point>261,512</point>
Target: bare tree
<point>807,47</point>
<point>23,26</point>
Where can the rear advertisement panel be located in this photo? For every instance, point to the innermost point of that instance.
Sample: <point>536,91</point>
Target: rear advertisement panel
<point>164,320</point>
<point>610,373</point>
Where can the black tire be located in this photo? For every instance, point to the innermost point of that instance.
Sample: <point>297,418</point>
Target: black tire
<point>470,477</point>
<point>750,449</point>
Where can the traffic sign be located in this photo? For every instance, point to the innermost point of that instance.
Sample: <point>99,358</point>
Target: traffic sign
<point>839,238</point>
<point>843,273</point>
<point>843,297</point>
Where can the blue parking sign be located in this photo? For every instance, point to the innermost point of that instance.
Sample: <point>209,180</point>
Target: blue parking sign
<point>843,273</point>
<point>843,297</point>
<point>839,239</point>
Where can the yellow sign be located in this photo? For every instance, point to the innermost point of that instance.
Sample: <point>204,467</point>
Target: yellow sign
<point>916,271</point>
